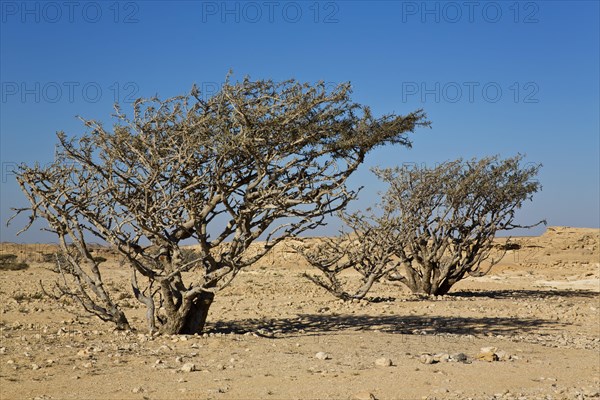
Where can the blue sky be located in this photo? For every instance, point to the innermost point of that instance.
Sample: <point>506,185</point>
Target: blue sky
<point>494,77</point>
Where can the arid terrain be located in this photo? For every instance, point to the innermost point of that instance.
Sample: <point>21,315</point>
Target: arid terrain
<point>273,334</point>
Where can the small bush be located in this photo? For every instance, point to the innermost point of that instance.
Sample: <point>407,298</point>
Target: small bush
<point>8,262</point>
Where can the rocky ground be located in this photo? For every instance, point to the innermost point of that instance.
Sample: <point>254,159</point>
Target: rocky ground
<point>528,330</point>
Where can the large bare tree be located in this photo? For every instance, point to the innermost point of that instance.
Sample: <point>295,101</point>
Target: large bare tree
<point>437,225</point>
<point>258,160</point>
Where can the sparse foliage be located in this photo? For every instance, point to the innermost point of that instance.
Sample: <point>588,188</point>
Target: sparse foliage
<point>257,160</point>
<point>438,225</point>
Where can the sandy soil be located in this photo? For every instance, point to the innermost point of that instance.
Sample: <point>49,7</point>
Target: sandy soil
<point>539,309</point>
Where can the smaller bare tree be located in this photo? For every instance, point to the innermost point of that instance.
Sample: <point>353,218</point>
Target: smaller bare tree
<point>367,249</point>
<point>438,225</point>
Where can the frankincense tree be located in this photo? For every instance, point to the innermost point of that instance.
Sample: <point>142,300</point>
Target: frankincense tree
<point>437,225</point>
<point>259,159</point>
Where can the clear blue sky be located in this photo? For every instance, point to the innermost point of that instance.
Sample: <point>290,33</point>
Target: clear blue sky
<point>494,77</point>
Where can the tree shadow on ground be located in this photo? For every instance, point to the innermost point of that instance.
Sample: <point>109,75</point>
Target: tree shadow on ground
<point>526,294</point>
<point>312,324</point>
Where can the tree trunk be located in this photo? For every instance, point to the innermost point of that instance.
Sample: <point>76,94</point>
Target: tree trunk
<point>443,288</point>
<point>195,319</point>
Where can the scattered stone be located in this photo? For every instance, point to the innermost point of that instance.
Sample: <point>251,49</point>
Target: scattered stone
<point>427,359</point>
<point>35,367</point>
<point>383,362</point>
<point>188,367</point>
<point>363,396</point>
<point>459,357</point>
<point>502,355</point>
<point>84,353</point>
<point>489,357</point>
<point>321,355</point>
<point>138,389</point>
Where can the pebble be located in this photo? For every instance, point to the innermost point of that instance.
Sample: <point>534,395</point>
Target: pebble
<point>321,355</point>
<point>84,353</point>
<point>427,359</point>
<point>383,362</point>
<point>502,355</point>
<point>489,357</point>
<point>188,367</point>
<point>459,357</point>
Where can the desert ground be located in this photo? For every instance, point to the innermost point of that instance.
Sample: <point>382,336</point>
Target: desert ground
<point>530,329</point>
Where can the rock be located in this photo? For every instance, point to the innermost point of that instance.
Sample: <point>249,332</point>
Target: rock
<point>459,357</point>
<point>383,362</point>
<point>84,353</point>
<point>188,367</point>
<point>322,356</point>
<point>363,396</point>
<point>489,357</point>
<point>427,359</point>
<point>502,355</point>
<point>441,357</point>
<point>35,367</point>
<point>138,389</point>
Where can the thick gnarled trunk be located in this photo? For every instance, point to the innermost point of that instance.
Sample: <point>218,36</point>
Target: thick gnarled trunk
<point>195,319</point>
<point>191,316</point>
